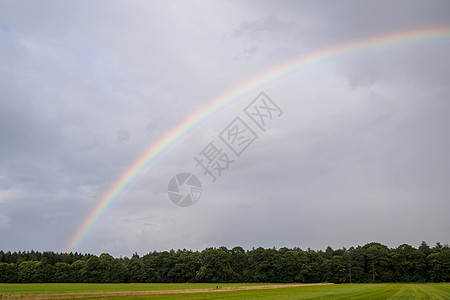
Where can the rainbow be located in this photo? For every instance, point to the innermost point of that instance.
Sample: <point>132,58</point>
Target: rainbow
<point>282,70</point>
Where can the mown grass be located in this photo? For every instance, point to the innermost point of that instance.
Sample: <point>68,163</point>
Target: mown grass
<point>63,288</point>
<point>340,291</point>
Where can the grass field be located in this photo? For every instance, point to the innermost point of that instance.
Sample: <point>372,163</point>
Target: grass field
<point>58,288</point>
<point>225,291</point>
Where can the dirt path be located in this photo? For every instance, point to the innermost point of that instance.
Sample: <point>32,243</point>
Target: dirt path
<point>155,292</point>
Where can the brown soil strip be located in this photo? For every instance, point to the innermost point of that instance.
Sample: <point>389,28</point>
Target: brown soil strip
<point>155,292</point>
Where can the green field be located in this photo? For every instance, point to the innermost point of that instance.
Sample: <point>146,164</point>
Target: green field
<point>225,291</point>
<point>59,288</point>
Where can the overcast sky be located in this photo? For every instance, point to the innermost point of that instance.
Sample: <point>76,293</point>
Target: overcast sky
<point>360,153</point>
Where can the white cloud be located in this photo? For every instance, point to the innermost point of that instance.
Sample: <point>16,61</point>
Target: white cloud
<point>4,222</point>
<point>10,195</point>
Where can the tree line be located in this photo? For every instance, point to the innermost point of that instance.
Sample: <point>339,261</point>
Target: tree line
<point>372,262</point>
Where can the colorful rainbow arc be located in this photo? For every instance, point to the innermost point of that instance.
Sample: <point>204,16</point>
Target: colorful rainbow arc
<point>236,92</point>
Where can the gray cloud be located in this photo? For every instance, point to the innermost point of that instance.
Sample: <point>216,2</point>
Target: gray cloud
<point>123,135</point>
<point>360,153</point>
<point>251,33</point>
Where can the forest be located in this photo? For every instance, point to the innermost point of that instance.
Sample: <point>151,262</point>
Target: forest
<point>372,262</point>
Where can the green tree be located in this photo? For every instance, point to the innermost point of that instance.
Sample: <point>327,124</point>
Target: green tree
<point>348,258</point>
<point>289,266</point>
<point>338,270</point>
<point>63,272</point>
<point>44,271</point>
<point>379,262</point>
<point>158,266</point>
<point>408,264</point>
<point>104,267</point>
<point>186,265</point>
<point>265,265</point>
<point>215,266</point>
<point>311,270</point>
<point>440,266</point>
<point>27,272</point>
<point>92,270</point>
<point>136,270</point>
<point>8,273</point>
<point>78,273</point>
<point>239,264</point>
<point>117,271</point>
<point>425,250</point>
